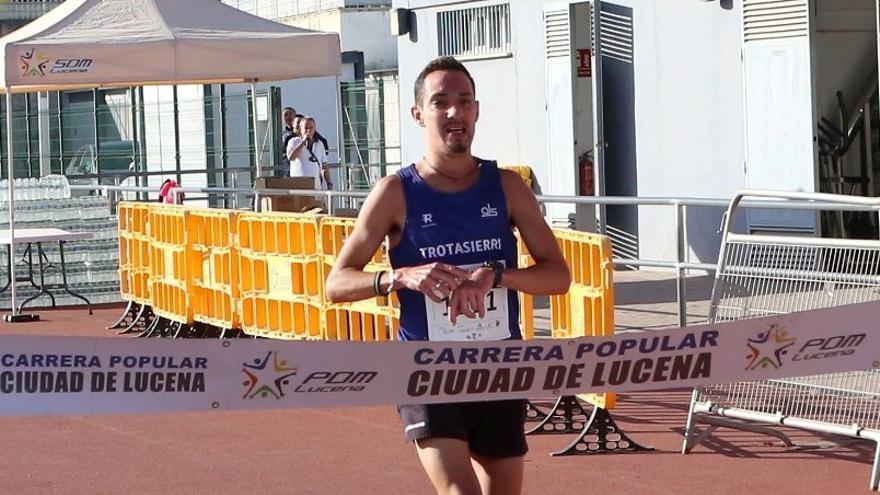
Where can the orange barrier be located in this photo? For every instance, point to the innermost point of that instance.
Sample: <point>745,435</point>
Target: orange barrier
<point>134,252</point>
<point>211,248</point>
<point>170,267</point>
<point>374,319</point>
<point>265,273</point>
<point>526,301</point>
<point>280,280</point>
<point>587,309</point>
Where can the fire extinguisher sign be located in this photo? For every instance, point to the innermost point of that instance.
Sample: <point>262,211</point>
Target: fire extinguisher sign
<point>584,68</point>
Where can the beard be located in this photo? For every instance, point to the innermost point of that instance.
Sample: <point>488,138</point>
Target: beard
<point>458,147</point>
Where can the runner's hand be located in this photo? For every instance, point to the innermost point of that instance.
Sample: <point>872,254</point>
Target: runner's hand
<point>436,280</point>
<point>469,299</point>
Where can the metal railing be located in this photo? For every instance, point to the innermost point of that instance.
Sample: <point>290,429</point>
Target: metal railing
<point>763,275</point>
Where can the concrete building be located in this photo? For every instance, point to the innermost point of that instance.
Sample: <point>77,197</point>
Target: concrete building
<point>698,99</point>
<point>366,43</point>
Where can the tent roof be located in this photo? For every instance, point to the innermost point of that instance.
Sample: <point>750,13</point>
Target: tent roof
<point>93,43</point>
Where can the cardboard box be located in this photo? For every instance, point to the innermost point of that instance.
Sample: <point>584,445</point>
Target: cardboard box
<point>345,212</point>
<point>288,203</point>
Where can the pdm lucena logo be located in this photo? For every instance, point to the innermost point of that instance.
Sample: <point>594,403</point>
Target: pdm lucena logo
<point>266,377</point>
<point>768,347</point>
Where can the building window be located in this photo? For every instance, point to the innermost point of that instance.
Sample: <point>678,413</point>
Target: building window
<point>477,31</point>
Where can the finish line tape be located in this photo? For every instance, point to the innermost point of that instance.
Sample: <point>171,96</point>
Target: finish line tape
<point>76,375</point>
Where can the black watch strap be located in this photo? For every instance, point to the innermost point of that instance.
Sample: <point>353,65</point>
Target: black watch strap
<point>497,270</point>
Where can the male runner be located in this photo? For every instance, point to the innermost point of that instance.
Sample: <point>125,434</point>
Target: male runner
<point>449,219</point>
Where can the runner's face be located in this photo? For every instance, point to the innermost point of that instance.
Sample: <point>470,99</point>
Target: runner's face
<point>288,118</point>
<point>448,111</point>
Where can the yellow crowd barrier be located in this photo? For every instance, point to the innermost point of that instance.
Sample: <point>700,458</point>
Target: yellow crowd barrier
<point>374,319</point>
<point>134,252</point>
<point>265,273</point>
<point>170,267</point>
<point>211,248</point>
<point>587,309</point>
<point>526,301</point>
<point>280,280</point>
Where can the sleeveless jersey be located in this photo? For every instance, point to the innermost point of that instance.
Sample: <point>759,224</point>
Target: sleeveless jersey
<point>466,229</point>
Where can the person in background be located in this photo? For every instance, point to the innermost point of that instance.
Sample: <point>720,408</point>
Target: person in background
<point>297,121</point>
<point>308,155</point>
<point>322,139</point>
<point>288,114</point>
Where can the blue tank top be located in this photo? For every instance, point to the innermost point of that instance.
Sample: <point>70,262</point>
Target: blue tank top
<point>462,228</point>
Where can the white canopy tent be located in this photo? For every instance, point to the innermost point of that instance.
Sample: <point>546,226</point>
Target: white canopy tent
<point>118,43</point>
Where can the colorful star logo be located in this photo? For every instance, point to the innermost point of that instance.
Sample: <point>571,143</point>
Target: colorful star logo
<point>264,380</point>
<point>33,64</point>
<point>768,348</point>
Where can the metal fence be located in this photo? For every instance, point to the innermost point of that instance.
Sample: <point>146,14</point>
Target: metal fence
<point>762,275</point>
<point>158,128</point>
<point>370,143</point>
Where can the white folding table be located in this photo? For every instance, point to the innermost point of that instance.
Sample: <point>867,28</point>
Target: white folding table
<point>38,237</point>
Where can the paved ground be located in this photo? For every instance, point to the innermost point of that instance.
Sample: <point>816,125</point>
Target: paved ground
<point>361,450</point>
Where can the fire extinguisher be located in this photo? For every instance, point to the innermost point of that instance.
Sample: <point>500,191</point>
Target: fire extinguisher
<point>585,172</point>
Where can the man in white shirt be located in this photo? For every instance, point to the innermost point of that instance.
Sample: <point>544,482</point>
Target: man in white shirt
<point>308,157</point>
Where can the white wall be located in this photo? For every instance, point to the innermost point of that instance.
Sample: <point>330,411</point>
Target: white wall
<point>191,115</point>
<point>159,130</point>
<point>369,31</point>
<point>362,30</point>
<point>512,125</point>
<point>689,116</point>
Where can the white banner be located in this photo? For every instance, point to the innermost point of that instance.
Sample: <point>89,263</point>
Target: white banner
<point>71,375</point>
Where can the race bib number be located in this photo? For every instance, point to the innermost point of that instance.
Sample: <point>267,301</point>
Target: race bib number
<point>495,326</point>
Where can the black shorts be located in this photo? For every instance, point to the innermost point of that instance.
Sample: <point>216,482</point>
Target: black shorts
<point>492,429</point>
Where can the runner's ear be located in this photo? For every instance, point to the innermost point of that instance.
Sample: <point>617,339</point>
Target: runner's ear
<point>416,112</point>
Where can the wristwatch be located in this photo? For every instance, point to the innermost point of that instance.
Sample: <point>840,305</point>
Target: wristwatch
<point>497,269</point>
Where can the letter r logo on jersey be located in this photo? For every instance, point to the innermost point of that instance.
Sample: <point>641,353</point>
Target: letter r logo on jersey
<point>427,218</point>
<point>488,211</point>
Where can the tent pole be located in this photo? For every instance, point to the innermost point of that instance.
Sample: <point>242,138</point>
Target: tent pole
<point>343,170</point>
<point>11,177</point>
<point>598,119</point>
<point>256,132</point>
<point>15,317</point>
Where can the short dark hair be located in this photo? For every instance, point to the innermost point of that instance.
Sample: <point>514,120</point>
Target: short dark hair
<point>440,63</point>
<point>288,108</point>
